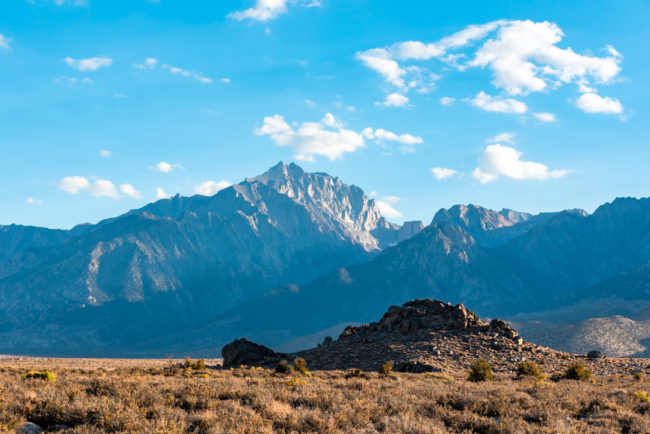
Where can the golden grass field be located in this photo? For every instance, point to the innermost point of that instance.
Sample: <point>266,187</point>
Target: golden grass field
<point>163,396</point>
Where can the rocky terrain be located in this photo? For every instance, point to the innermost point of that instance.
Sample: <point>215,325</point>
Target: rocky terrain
<point>426,336</point>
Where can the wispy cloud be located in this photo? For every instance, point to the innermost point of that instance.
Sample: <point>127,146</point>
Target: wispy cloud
<point>210,188</point>
<point>90,64</point>
<point>166,167</point>
<point>4,43</point>
<point>441,173</point>
<point>267,10</point>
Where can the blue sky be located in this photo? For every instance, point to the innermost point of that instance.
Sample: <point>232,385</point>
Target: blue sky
<point>107,105</point>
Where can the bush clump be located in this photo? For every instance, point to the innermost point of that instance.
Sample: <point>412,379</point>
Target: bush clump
<point>481,370</point>
<point>45,375</point>
<point>299,365</point>
<point>387,368</point>
<point>353,373</point>
<point>197,365</point>
<point>282,367</point>
<point>528,368</point>
<point>576,371</point>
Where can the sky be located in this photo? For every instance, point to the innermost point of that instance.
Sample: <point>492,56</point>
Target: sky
<point>106,105</point>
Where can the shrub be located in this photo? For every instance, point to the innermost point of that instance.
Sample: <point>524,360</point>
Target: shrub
<point>642,396</point>
<point>528,368</point>
<point>481,370</point>
<point>295,382</point>
<point>638,376</point>
<point>576,371</point>
<point>299,365</point>
<point>387,368</point>
<point>353,373</point>
<point>282,367</point>
<point>197,365</point>
<point>45,375</point>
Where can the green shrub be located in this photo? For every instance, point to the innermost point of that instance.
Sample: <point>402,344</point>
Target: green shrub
<point>387,368</point>
<point>45,375</point>
<point>282,367</point>
<point>528,368</point>
<point>353,373</point>
<point>299,365</point>
<point>481,370</point>
<point>576,371</point>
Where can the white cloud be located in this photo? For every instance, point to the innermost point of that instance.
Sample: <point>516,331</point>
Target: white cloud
<point>327,137</point>
<point>446,100</point>
<point>379,60</point>
<point>73,184</point>
<point>443,173</point>
<point>498,104</point>
<point>544,117</point>
<point>498,160</point>
<point>179,71</point>
<point>90,64</point>
<point>130,191</point>
<point>522,56</point>
<point>70,2</point>
<point>98,188</point>
<point>4,43</point>
<point>105,153</point>
<point>594,103</point>
<point>161,194</point>
<point>120,95</point>
<point>166,167</point>
<point>32,201</point>
<point>149,63</point>
<point>310,103</point>
<point>387,210</point>
<point>72,81</point>
<point>502,138</point>
<point>210,188</point>
<point>266,10</point>
<point>225,80</point>
<point>395,100</point>
<point>381,134</point>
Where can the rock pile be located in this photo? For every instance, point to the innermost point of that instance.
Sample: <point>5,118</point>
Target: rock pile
<point>420,336</point>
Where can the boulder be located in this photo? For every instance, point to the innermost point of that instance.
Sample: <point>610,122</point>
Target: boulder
<point>245,352</point>
<point>595,354</point>
<point>29,428</point>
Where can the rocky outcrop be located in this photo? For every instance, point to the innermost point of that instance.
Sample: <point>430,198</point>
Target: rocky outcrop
<point>245,352</point>
<point>419,336</point>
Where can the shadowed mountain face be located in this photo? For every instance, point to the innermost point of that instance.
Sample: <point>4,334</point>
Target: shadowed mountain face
<point>180,262</point>
<point>551,264</point>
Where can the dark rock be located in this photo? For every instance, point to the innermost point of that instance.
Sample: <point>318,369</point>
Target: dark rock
<point>326,342</point>
<point>595,354</point>
<point>28,428</point>
<point>245,352</point>
<point>415,367</point>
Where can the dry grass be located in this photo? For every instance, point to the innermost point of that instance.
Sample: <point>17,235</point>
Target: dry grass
<point>173,398</point>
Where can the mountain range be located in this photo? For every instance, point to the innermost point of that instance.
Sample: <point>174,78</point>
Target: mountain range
<point>290,254</point>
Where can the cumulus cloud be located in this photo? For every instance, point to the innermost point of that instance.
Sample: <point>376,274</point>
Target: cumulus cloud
<point>267,10</point>
<point>522,56</point>
<point>90,64</point>
<point>386,207</point>
<point>130,191</point>
<point>446,100</point>
<point>97,188</point>
<point>498,160</point>
<point>166,167</point>
<point>395,100</point>
<point>327,138</point>
<point>594,103</point>
<point>210,188</point>
<point>544,117</point>
<point>443,173</point>
<point>4,43</point>
<point>498,104</point>
<point>502,138</point>
<point>32,201</point>
<point>161,194</point>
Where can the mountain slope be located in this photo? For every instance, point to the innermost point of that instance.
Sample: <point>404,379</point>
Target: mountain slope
<point>179,262</point>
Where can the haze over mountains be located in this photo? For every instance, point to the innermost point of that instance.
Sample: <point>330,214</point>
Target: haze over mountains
<point>288,254</point>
